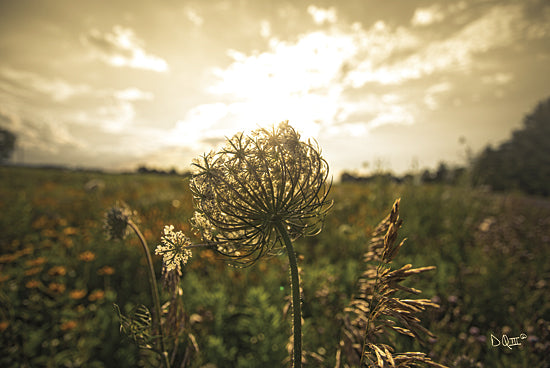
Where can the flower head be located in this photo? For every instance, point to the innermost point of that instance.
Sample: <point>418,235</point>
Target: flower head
<point>254,185</point>
<point>86,256</point>
<point>116,221</point>
<point>173,249</point>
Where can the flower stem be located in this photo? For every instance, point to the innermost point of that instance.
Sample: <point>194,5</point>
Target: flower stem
<point>154,292</point>
<point>373,311</point>
<point>296,300</point>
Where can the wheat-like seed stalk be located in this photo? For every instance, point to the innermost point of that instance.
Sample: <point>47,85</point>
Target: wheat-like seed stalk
<point>376,311</point>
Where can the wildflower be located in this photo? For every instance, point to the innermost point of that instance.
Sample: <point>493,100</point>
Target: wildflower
<point>7,258</point>
<point>69,325</point>
<point>36,262</point>
<point>70,230</point>
<point>173,249</point>
<point>57,271</point>
<point>4,325</point>
<point>86,256</point>
<point>474,330</point>
<point>27,250</point>
<point>32,284</point>
<point>49,233</point>
<point>96,295</point>
<point>77,294</point>
<point>33,271</point>
<point>106,271</point>
<point>40,222</point>
<point>56,287</point>
<point>116,221</point>
<point>254,187</point>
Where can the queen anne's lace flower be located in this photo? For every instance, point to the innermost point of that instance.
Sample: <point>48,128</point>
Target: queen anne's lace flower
<point>116,221</point>
<point>254,185</point>
<point>173,249</point>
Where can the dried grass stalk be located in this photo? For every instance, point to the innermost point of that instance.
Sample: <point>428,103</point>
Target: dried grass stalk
<point>376,312</point>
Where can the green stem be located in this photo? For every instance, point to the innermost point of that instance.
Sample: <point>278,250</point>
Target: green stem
<point>296,300</point>
<point>373,311</point>
<point>154,292</point>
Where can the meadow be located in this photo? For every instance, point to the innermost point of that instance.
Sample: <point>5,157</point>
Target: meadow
<point>60,276</point>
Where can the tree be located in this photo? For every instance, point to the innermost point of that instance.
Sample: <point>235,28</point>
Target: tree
<point>522,162</point>
<point>7,144</point>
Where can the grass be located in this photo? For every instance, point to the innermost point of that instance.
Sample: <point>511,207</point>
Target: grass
<point>59,277</point>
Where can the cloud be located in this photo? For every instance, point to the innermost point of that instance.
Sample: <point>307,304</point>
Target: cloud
<point>498,79</point>
<point>106,116</point>
<point>265,29</point>
<point>313,62</point>
<point>428,16</point>
<point>307,81</point>
<point>193,16</point>
<point>346,79</point>
<point>435,13</point>
<point>25,83</point>
<point>133,94</point>
<point>499,27</point>
<point>321,15</point>
<point>39,133</point>
<point>433,93</point>
<point>121,48</point>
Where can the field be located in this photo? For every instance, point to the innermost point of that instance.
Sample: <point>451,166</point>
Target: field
<point>60,276</point>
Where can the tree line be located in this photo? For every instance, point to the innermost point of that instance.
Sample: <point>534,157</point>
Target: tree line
<point>520,163</point>
<point>523,161</point>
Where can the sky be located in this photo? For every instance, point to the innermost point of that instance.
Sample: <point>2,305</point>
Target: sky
<point>393,85</point>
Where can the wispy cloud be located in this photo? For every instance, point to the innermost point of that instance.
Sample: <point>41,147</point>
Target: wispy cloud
<point>321,15</point>
<point>436,13</point>
<point>133,94</point>
<point>25,83</point>
<point>40,133</point>
<point>265,29</point>
<point>122,48</point>
<point>433,94</point>
<point>428,16</point>
<point>499,27</point>
<point>194,17</point>
<point>80,112</point>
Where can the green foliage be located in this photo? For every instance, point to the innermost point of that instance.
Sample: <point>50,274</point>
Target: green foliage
<point>137,325</point>
<point>491,253</point>
<point>7,144</point>
<point>522,162</point>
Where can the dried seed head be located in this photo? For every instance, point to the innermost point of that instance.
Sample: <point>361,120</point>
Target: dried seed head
<point>254,183</point>
<point>116,221</point>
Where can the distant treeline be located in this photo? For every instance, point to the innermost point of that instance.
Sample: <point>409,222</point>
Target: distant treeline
<point>521,163</point>
<point>172,172</point>
<point>443,174</point>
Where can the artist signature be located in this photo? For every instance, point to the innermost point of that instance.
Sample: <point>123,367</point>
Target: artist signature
<point>506,341</point>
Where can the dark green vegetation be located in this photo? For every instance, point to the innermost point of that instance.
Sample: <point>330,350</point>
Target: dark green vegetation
<point>7,144</point>
<point>522,162</point>
<point>59,277</point>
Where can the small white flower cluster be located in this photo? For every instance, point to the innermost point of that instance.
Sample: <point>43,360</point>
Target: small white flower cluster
<point>173,249</point>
